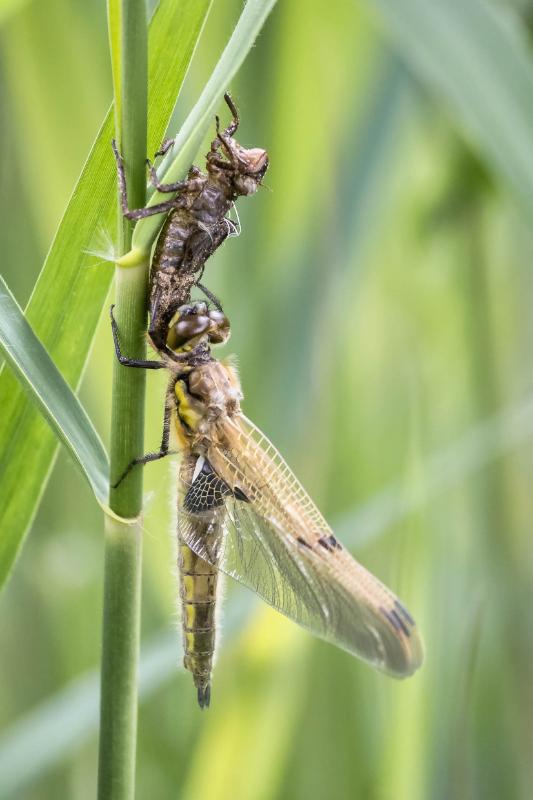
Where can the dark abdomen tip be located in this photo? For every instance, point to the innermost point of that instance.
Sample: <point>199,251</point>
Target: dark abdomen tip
<point>204,696</point>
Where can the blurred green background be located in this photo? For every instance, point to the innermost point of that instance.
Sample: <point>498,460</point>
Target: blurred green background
<point>380,300</point>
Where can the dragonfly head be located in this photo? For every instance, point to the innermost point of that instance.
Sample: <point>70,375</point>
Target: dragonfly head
<point>194,323</point>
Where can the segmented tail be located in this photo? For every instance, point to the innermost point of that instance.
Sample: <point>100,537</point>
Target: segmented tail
<point>204,696</point>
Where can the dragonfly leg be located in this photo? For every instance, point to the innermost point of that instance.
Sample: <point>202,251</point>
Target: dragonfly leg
<point>232,127</point>
<point>234,124</point>
<point>178,186</point>
<point>135,213</point>
<point>145,363</point>
<point>215,160</point>
<point>130,362</point>
<point>166,144</point>
<point>161,453</point>
<point>223,138</point>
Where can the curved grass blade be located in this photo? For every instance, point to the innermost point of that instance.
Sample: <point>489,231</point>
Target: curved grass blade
<point>190,137</point>
<point>51,393</point>
<point>67,300</point>
<point>473,54</point>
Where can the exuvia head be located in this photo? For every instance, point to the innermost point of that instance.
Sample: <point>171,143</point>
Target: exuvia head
<point>243,168</point>
<point>195,322</point>
<point>252,165</point>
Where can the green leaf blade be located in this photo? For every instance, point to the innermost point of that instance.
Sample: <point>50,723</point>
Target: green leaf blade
<point>51,393</point>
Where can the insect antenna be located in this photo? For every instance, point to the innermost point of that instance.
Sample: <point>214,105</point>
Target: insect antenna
<point>210,296</point>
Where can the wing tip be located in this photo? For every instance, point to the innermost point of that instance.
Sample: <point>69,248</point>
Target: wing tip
<point>410,655</point>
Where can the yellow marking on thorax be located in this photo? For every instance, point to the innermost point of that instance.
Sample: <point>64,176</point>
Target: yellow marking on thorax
<point>186,411</point>
<point>181,434</point>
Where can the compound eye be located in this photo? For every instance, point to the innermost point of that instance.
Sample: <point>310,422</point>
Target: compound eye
<point>220,327</point>
<point>218,317</point>
<point>190,310</point>
<point>190,326</point>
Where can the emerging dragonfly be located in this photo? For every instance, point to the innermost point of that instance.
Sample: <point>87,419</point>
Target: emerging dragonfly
<point>242,511</point>
<point>198,221</point>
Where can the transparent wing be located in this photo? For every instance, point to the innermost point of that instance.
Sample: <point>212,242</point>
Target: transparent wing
<point>275,541</point>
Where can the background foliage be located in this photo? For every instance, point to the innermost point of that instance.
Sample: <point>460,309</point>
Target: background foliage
<point>379,296</point>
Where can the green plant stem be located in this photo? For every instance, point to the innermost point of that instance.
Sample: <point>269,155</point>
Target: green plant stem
<point>120,653</point>
<point>123,542</point>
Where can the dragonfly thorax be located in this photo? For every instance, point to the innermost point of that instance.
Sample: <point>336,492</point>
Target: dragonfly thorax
<point>208,393</point>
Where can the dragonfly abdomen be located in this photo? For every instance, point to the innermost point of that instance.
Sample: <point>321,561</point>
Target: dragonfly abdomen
<point>198,592</point>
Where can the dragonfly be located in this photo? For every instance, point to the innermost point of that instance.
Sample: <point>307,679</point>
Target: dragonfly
<point>198,222</point>
<point>242,512</point>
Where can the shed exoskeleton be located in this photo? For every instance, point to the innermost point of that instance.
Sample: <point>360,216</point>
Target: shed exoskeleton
<point>197,222</point>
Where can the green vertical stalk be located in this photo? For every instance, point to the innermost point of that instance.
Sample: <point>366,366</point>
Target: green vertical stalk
<point>123,542</point>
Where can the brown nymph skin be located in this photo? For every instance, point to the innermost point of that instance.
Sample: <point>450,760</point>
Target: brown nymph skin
<point>198,221</point>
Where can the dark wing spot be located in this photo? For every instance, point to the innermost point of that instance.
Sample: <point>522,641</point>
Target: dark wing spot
<point>239,495</point>
<point>396,621</point>
<point>334,542</point>
<point>388,616</point>
<point>302,541</point>
<point>404,612</point>
<point>401,623</point>
<point>330,543</point>
<point>326,543</point>
<point>209,491</point>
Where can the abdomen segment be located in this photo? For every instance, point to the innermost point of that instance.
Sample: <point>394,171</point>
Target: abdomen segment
<point>198,587</point>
